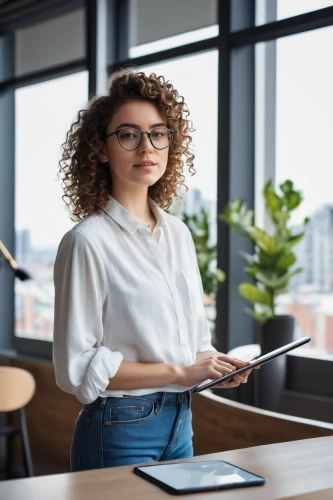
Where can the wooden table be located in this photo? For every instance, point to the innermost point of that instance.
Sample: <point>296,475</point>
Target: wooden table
<point>298,470</point>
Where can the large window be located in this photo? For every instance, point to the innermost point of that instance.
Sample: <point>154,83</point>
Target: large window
<point>304,131</point>
<point>44,113</point>
<point>292,131</point>
<point>299,128</point>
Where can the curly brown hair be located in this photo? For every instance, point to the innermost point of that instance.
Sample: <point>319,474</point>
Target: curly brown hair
<point>87,181</point>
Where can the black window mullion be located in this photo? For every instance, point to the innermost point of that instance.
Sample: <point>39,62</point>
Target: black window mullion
<point>43,75</point>
<point>235,170</point>
<point>286,27</point>
<point>121,29</point>
<point>91,45</point>
<point>164,55</point>
<point>7,191</point>
<point>223,170</point>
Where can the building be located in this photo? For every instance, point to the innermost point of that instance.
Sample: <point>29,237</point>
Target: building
<point>315,252</point>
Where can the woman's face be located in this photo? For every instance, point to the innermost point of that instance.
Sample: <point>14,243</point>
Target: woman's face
<point>145,165</point>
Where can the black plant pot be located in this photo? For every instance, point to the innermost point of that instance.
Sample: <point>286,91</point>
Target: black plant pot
<point>271,378</point>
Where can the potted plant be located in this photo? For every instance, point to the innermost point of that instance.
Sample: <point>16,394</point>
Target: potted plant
<point>270,267</point>
<point>273,262</point>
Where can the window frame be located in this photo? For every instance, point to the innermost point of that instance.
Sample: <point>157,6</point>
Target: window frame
<point>305,374</point>
<point>8,84</point>
<point>236,42</point>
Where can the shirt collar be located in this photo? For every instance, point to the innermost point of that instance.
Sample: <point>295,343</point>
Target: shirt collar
<point>125,219</point>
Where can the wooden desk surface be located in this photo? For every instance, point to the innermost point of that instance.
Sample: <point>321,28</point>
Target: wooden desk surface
<point>314,495</point>
<point>297,470</point>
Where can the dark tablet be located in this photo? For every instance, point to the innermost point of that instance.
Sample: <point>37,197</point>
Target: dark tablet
<point>255,362</point>
<point>191,477</point>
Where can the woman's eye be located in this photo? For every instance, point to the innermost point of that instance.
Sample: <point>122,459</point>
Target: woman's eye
<point>128,135</point>
<point>158,134</point>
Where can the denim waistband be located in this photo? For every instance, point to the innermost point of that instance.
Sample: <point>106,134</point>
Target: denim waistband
<point>156,397</point>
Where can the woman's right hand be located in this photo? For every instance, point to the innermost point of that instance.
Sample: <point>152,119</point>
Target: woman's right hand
<point>210,368</point>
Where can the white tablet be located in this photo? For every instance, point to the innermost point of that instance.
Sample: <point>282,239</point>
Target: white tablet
<point>255,362</point>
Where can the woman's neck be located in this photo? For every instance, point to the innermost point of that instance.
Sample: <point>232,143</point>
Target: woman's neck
<point>135,203</point>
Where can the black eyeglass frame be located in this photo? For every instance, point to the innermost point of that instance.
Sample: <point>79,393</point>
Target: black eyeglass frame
<point>117,132</point>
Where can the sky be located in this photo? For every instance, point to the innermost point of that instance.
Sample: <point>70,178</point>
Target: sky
<point>304,126</point>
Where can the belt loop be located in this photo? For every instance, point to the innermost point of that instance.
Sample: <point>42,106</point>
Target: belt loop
<point>159,405</point>
<point>189,399</point>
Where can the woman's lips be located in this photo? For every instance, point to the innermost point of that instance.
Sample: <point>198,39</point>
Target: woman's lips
<point>145,166</point>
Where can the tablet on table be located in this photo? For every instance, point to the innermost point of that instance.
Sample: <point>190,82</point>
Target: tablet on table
<point>192,477</point>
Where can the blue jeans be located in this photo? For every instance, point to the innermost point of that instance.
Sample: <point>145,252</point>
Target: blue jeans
<point>121,431</point>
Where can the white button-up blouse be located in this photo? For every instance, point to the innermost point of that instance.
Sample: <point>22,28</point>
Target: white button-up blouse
<point>123,292</point>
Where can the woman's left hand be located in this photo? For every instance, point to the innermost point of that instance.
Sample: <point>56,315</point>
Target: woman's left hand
<point>237,379</point>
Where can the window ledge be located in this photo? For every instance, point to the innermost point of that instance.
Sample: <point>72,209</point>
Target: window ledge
<point>311,353</point>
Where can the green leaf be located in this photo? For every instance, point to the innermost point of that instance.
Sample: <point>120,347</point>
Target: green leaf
<point>260,317</point>
<point>253,294</point>
<point>293,200</point>
<point>286,260</point>
<point>251,271</point>
<point>263,240</point>
<point>293,240</point>
<point>265,259</point>
<point>220,275</point>
<point>279,282</point>
<point>238,216</point>
<point>250,259</point>
<point>286,186</point>
<point>280,217</point>
<point>273,201</point>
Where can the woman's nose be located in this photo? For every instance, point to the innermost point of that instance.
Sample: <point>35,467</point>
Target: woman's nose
<point>145,145</point>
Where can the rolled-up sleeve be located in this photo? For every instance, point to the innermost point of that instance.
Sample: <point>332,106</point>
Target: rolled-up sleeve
<point>83,365</point>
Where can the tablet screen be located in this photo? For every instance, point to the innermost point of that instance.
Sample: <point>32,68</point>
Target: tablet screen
<point>198,476</point>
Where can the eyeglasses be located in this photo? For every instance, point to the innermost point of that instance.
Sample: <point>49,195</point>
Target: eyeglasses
<point>131,138</point>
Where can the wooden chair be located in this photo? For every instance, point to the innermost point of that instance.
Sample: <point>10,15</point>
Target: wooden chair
<point>220,424</point>
<point>17,388</point>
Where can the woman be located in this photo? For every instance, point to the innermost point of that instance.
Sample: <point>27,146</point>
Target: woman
<point>130,332</point>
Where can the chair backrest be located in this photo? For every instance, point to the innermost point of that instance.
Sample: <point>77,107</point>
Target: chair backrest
<point>17,387</point>
<point>220,425</point>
